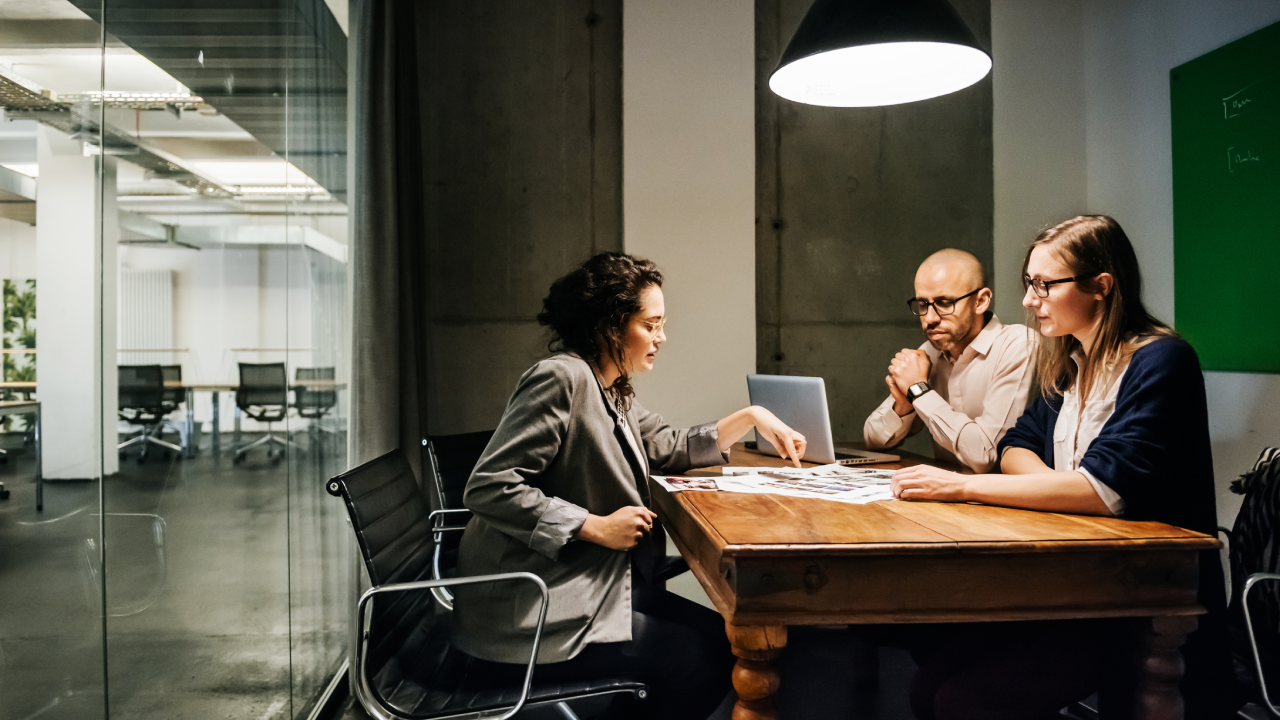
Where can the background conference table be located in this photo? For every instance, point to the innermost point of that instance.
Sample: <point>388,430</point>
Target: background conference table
<point>216,390</point>
<point>769,561</point>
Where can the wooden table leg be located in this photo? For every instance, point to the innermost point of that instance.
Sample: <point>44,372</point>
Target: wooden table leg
<point>1158,695</point>
<point>755,677</point>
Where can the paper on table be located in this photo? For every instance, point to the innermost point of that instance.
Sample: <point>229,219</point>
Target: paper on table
<point>676,483</point>
<point>832,470</point>
<point>828,482</point>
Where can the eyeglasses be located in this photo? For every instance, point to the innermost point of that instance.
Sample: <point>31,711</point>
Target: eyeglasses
<point>654,327</point>
<point>1042,286</point>
<point>944,306</point>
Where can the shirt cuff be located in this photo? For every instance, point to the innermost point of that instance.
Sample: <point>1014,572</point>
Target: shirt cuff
<point>1110,497</point>
<point>929,404</point>
<point>704,446</point>
<point>885,429</point>
<point>559,523</point>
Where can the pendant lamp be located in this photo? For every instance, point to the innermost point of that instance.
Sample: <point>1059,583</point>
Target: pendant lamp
<point>866,53</point>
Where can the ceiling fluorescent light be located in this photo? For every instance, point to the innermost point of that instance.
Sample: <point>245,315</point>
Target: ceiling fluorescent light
<point>867,53</point>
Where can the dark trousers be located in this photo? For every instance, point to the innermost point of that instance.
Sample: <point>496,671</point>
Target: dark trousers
<point>1007,671</point>
<point>678,648</point>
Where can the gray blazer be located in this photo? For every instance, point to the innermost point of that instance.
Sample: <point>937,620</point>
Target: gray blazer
<point>559,454</point>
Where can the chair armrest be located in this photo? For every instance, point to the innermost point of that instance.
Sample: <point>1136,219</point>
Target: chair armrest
<point>1253,641</point>
<point>437,516</point>
<point>364,690</point>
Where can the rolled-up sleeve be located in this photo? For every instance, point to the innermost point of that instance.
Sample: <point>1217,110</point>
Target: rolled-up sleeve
<point>704,446</point>
<point>557,525</point>
<point>526,441</point>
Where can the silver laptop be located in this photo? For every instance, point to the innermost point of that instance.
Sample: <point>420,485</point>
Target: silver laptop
<point>801,402</point>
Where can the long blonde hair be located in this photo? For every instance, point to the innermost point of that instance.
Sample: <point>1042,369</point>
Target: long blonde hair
<point>1091,245</point>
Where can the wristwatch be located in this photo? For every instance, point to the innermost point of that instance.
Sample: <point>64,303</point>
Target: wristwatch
<point>915,391</point>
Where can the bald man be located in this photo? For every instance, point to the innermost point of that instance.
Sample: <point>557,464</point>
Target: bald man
<point>968,384</point>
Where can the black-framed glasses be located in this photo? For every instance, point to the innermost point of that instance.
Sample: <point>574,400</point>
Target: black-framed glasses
<point>944,306</point>
<point>1042,286</point>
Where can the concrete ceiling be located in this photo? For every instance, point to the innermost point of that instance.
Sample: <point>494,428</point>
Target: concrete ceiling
<point>277,68</point>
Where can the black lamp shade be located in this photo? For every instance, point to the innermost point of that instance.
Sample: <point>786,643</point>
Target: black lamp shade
<point>862,53</point>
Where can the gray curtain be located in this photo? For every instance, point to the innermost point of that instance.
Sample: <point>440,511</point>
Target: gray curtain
<point>389,261</point>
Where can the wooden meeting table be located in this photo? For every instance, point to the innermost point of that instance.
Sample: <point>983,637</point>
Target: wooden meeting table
<point>770,561</point>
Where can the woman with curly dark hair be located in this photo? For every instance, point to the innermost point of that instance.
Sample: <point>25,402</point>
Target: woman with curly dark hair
<point>561,491</point>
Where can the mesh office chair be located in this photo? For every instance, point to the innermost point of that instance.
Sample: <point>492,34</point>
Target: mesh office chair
<point>141,402</point>
<point>263,395</point>
<point>174,395</point>
<point>314,401</point>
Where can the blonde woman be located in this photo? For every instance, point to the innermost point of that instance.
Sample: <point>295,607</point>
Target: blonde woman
<point>1117,425</point>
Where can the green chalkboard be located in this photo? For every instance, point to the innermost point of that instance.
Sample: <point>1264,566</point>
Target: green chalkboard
<point>1226,203</point>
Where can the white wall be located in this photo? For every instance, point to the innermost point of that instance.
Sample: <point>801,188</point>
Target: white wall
<point>1038,131</point>
<point>689,194</point>
<point>1128,48</point>
<point>17,250</point>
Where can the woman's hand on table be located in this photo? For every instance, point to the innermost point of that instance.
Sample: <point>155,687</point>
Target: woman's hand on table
<point>620,530</point>
<point>789,443</point>
<point>925,482</point>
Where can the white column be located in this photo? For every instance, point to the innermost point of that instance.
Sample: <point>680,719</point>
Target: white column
<point>76,239</point>
<point>688,144</point>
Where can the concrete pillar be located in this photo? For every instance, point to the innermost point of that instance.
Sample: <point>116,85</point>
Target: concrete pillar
<point>522,162</point>
<point>689,166</point>
<point>76,239</point>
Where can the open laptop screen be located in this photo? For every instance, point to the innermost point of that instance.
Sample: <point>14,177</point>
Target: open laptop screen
<point>800,402</point>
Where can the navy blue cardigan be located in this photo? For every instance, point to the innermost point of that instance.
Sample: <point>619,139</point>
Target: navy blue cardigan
<point>1154,451</point>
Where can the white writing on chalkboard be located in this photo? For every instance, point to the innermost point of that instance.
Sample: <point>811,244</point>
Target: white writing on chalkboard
<point>1234,104</point>
<point>1237,157</point>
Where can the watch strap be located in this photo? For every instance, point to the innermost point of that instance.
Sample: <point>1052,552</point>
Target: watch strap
<point>915,392</point>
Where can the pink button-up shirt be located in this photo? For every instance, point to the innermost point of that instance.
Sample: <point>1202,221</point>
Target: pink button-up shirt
<point>974,400</point>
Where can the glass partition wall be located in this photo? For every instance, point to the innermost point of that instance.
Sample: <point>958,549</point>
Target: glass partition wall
<point>173,219</point>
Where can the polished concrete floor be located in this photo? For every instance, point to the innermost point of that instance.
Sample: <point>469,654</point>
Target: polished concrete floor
<point>227,588</point>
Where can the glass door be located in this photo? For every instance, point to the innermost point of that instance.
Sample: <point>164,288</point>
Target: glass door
<point>173,219</point>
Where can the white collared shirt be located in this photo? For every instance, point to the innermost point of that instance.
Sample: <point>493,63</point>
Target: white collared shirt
<point>974,400</point>
<point>1080,423</point>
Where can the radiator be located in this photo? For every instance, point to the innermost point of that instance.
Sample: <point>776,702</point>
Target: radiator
<point>145,314</point>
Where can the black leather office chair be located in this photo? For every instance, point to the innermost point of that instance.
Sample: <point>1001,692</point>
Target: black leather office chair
<point>141,401</point>
<point>404,662</point>
<point>451,458</point>
<point>1255,579</point>
<point>263,395</point>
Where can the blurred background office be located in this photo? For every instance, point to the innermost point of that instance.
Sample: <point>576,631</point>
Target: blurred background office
<point>173,247</point>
